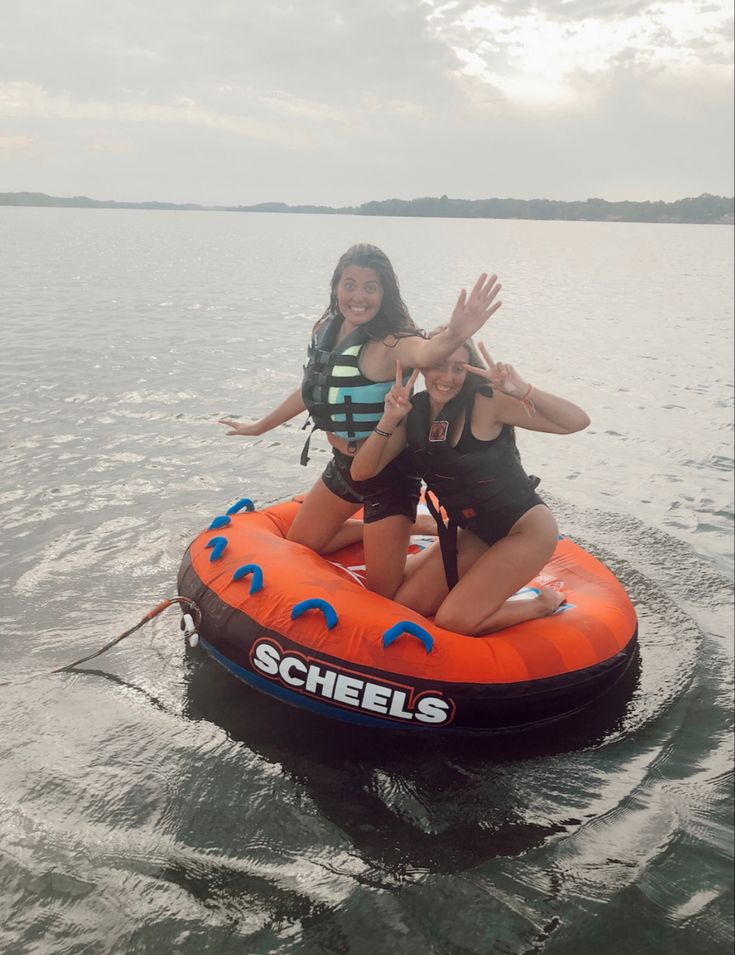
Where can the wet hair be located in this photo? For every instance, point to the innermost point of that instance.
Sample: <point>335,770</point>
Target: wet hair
<point>393,317</point>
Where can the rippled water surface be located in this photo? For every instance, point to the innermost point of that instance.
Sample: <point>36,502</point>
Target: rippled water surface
<point>153,803</point>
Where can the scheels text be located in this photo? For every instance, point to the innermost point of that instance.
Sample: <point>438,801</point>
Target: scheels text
<point>349,688</point>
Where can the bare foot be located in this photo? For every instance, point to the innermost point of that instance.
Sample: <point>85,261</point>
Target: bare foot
<point>549,599</point>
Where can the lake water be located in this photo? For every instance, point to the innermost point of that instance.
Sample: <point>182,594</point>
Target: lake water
<point>156,805</point>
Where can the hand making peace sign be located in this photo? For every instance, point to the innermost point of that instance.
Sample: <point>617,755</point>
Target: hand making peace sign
<point>503,377</point>
<point>398,399</point>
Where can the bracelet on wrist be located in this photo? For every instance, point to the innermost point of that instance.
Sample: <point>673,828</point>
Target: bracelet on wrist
<point>383,434</point>
<point>528,403</point>
<point>527,394</point>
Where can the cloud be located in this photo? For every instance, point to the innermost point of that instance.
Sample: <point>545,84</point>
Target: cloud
<point>335,55</point>
<point>531,52</point>
<point>111,147</point>
<point>326,49</point>
<point>16,143</point>
<point>32,101</point>
<point>328,101</point>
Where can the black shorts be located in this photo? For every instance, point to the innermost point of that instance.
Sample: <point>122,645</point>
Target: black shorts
<point>493,525</point>
<point>394,491</point>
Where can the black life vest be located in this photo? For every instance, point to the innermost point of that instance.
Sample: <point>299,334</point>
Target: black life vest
<point>467,484</point>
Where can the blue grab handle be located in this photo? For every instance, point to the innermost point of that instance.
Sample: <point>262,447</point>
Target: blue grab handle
<point>256,571</point>
<point>316,603</point>
<point>408,626</point>
<point>244,502</point>
<point>221,521</point>
<point>218,545</point>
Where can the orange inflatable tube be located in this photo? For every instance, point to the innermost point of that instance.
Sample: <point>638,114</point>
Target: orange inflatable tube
<point>305,629</point>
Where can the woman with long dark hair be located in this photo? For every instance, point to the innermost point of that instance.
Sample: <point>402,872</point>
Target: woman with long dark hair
<point>350,369</point>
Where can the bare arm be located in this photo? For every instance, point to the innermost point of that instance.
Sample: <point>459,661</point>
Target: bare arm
<point>389,437</point>
<point>543,411</point>
<point>525,406</point>
<point>287,409</point>
<point>469,315</point>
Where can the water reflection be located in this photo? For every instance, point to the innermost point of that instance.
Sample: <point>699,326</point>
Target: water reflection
<point>406,802</point>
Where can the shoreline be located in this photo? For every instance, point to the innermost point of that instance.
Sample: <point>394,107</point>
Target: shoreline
<point>703,210</point>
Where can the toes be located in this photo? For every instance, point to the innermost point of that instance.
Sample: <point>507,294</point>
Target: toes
<point>551,599</point>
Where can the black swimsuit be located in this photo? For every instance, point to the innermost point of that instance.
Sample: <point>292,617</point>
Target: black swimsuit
<point>481,485</point>
<point>493,520</point>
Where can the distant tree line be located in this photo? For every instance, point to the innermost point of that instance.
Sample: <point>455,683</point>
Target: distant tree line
<point>83,202</point>
<point>703,209</point>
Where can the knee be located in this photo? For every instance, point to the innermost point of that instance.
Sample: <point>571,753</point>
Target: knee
<point>450,616</point>
<point>382,585</point>
<point>307,541</point>
<point>459,615</point>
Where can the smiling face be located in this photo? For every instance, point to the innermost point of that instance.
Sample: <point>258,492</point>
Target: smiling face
<point>444,381</point>
<point>359,294</point>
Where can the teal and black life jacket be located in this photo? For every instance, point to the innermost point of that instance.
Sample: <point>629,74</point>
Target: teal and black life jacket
<point>468,484</point>
<point>337,395</point>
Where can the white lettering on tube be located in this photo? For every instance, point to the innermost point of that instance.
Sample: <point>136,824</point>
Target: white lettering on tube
<point>288,664</point>
<point>391,700</point>
<point>347,690</point>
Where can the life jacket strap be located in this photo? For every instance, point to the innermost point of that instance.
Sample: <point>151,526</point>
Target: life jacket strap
<point>305,449</point>
<point>447,542</point>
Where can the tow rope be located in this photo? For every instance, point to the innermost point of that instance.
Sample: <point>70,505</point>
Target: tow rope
<point>189,624</point>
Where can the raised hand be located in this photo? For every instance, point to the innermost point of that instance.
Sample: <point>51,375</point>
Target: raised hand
<point>398,399</point>
<point>501,376</point>
<point>248,430</point>
<point>473,310</point>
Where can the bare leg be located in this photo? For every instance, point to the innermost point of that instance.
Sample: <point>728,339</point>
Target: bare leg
<point>321,521</point>
<point>386,542</point>
<point>479,603</point>
<point>511,612</point>
<point>351,532</point>
<point>324,523</point>
<point>488,577</point>
<point>424,584</point>
<point>424,525</point>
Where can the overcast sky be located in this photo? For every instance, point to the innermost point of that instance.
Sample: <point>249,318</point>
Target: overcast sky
<point>338,102</point>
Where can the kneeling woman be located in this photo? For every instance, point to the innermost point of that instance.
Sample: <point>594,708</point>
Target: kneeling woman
<point>350,367</point>
<point>500,533</point>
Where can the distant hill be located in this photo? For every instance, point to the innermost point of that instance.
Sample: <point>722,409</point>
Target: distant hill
<point>702,209</point>
<point>82,202</point>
